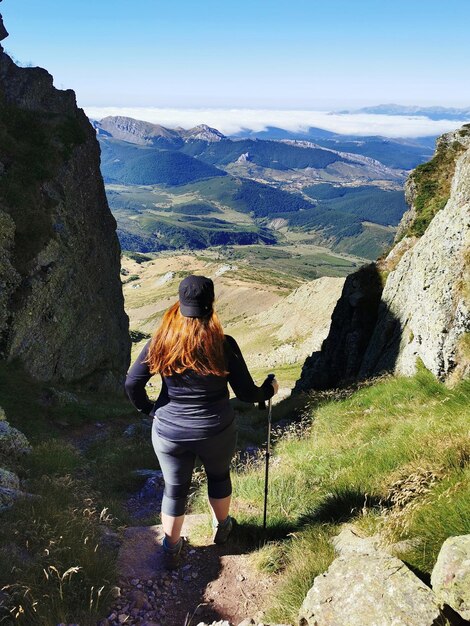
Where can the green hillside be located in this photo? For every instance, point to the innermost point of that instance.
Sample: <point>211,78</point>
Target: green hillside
<point>149,232</point>
<point>142,165</point>
<point>432,183</point>
<point>272,154</point>
<point>392,458</point>
<point>192,216</point>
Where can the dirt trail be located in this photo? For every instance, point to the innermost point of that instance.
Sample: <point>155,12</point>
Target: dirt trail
<point>212,583</point>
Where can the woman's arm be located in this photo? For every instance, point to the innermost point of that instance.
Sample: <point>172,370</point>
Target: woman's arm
<point>136,379</point>
<point>240,378</point>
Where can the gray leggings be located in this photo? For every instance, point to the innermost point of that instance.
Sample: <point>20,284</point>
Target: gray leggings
<point>177,459</point>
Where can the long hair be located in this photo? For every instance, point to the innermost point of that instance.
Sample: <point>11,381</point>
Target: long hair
<point>181,343</point>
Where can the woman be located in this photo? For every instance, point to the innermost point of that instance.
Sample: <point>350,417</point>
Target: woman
<point>193,416</point>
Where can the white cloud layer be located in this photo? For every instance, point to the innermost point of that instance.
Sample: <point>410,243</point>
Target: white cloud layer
<point>231,121</point>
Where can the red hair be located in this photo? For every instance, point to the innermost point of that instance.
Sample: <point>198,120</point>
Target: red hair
<point>181,343</point>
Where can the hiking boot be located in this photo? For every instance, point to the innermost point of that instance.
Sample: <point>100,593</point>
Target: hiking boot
<point>172,555</point>
<point>223,529</point>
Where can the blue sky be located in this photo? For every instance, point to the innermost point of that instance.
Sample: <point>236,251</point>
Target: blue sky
<point>279,54</point>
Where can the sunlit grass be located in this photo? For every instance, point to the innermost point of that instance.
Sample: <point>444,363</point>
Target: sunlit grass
<point>393,457</point>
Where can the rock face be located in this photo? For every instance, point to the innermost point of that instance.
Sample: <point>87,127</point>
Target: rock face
<point>365,586</point>
<point>450,577</point>
<point>352,324</point>
<point>424,309</point>
<point>61,304</point>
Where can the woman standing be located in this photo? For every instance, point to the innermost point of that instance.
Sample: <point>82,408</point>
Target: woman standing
<point>193,416</point>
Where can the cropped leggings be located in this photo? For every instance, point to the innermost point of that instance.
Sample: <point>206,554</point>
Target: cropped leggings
<point>177,460</point>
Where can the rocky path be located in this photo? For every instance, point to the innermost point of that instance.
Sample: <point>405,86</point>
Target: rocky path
<point>213,582</point>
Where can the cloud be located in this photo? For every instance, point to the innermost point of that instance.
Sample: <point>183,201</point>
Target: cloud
<point>232,121</point>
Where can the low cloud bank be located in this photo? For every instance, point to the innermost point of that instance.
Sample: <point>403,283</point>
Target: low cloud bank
<point>232,121</point>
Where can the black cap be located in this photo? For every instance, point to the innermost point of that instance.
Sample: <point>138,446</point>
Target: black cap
<point>196,294</point>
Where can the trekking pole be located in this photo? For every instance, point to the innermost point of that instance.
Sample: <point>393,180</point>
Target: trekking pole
<point>268,454</point>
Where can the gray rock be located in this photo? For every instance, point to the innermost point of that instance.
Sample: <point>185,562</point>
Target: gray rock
<point>424,309</point>
<point>9,479</point>
<point>8,497</point>
<point>63,273</point>
<point>424,296</point>
<point>13,443</point>
<point>352,324</point>
<point>141,429</point>
<point>148,473</point>
<point>349,542</point>
<point>373,589</point>
<point>450,578</point>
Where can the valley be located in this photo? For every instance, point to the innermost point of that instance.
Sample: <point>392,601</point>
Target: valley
<point>173,189</point>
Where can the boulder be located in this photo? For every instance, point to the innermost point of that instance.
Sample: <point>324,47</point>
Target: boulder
<point>352,324</point>
<point>450,578</point>
<point>350,542</point>
<point>8,497</point>
<point>8,479</point>
<point>13,443</point>
<point>365,586</point>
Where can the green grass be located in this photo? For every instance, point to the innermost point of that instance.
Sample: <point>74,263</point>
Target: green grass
<point>432,181</point>
<point>287,373</point>
<point>307,266</point>
<point>52,562</point>
<point>52,559</point>
<point>393,456</point>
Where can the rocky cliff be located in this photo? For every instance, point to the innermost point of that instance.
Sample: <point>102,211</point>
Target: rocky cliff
<point>423,312</point>
<point>61,304</point>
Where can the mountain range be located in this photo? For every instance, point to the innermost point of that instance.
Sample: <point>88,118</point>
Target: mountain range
<point>394,153</point>
<point>433,113</point>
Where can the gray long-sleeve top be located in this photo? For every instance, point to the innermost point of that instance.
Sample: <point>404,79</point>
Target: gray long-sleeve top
<point>191,406</point>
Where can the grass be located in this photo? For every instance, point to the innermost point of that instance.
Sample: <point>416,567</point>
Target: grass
<point>432,182</point>
<point>45,410</point>
<point>53,560</point>
<point>53,565</point>
<point>392,457</point>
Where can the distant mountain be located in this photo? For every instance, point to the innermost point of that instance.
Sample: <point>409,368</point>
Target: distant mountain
<point>433,113</point>
<point>395,153</point>
<point>272,154</point>
<point>138,132</point>
<point>265,148</point>
<point>148,134</point>
<point>273,132</point>
<point>402,154</point>
<point>202,133</point>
